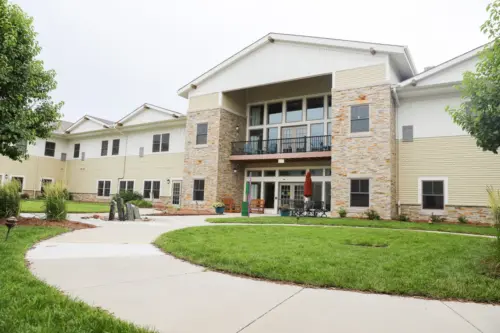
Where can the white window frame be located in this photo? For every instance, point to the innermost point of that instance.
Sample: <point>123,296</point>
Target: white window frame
<point>370,185</point>
<point>48,178</point>
<point>283,122</point>
<point>19,176</point>
<point>151,196</point>
<point>201,145</point>
<point>126,180</point>
<point>204,189</point>
<point>359,134</point>
<point>444,179</point>
<point>110,188</point>
<point>45,148</point>
<point>161,138</point>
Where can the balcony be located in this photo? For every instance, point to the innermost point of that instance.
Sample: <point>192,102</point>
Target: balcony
<point>291,148</point>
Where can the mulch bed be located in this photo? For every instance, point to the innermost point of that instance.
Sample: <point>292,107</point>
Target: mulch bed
<point>32,221</point>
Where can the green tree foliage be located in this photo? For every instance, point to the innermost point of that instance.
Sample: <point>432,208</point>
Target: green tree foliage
<point>26,109</point>
<point>479,113</point>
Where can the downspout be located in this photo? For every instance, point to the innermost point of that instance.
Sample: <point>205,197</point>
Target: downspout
<point>396,108</point>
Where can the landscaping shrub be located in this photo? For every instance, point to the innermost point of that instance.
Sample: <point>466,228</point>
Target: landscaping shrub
<point>436,218</point>
<point>342,212</point>
<point>25,196</point>
<point>10,199</point>
<point>128,196</point>
<point>494,203</point>
<point>462,219</point>
<point>371,214</point>
<point>404,218</point>
<point>68,195</point>
<point>142,203</point>
<point>55,201</point>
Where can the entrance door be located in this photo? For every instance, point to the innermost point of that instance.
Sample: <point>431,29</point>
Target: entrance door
<point>176,193</point>
<point>269,195</point>
<point>290,192</point>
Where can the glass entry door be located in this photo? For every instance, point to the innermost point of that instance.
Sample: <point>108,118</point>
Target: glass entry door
<point>290,192</point>
<point>176,193</point>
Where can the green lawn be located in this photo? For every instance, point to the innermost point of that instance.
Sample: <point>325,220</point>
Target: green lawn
<point>434,265</point>
<point>30,306</point>
<point>458,228</point>
<point>36,206</point>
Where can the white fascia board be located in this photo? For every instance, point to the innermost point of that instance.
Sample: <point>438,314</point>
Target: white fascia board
<point>272,37</point>
<point>443,66</point>
<point>148,106</point>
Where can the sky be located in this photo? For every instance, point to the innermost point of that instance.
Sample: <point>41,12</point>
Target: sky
<point>111,56</point>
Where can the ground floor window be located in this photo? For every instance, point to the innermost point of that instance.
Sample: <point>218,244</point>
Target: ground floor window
<point>44,182</point>
<point>103,188</point>
<point>360,192</point>
<point>20,180</point>
<point>433,194</point>
<point>126,186</point>
<point>151,189</point>
<point>199,190</point>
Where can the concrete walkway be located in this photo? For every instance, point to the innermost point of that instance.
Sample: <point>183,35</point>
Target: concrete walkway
<point>115,267</point>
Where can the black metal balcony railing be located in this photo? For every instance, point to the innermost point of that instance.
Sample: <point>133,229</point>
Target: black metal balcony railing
<point>303,144</point>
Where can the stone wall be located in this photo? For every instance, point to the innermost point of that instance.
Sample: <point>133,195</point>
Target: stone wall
<point>89,197</point>
<point>474,214</point>
<point>211,161</point>
<point>369,155</point>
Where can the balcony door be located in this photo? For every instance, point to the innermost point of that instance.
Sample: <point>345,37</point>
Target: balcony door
<point>293,139</point>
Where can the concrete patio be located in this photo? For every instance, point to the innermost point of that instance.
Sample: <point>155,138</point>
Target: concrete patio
<point>115,267</point>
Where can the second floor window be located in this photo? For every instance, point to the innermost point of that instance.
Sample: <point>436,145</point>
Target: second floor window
<point>116,147</point>
<point>315,108</point>
<point>256,115</point>
<point>76,151</point>
<point>360,118</point>
<point>104,148</point>
<point>50,148</point>
<point>161,142</point>
<point>202,134</point>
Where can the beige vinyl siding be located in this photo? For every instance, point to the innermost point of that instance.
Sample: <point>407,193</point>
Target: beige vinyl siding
<point>310,86</point>
<point>360,77</point>
<point>83,175</point>
<point>468,168</point>
<point>33,169</point>
<point>204,102</point>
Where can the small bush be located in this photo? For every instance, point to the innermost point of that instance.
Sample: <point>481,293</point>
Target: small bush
<point>55,202</point>
<point>25,196</point>
<point>404,218</point>
<point>371,214</point>
<point>40,196</point>
<point>342,212</point>
<point>436,218</point>
<point>68,195</point>
<point>128,196</point>
<point>462,219</point>
<point>142,203</point>
<point>10,199</point>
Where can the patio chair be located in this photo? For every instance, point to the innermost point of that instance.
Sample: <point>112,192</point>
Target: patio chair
<point>231,206</point>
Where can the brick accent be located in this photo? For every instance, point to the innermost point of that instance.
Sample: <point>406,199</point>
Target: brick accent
<point>211,162</point>
<point>474,214</point>
<point>364,155</point>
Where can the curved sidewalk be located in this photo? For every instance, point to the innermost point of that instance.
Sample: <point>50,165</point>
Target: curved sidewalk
<point>115,267</point>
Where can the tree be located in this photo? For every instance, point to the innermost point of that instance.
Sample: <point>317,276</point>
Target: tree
<point>26,109</point>
<point>479,112</point>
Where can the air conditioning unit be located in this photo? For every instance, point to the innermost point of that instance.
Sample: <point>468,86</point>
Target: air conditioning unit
<point>63,157</point>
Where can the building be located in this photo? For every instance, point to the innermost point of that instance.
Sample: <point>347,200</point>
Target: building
<point>373,132</point>
<point>97,158</point>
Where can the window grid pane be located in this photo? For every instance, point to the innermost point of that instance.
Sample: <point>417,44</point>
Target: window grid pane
<point>294,111</point>
<point>156,143</point>
<point>360,118</point>
<point>274,113</point>
<point>76,152</point>
<point>104,148</point>
<point>116,147</point>
<point>165,140</point>
<point>257,115</point>
<point>199,190</point>
<point>433,194</point>
<point>315,108</point>
<point>201,134</point>
<point>360,193</point>
<point>50,148</point>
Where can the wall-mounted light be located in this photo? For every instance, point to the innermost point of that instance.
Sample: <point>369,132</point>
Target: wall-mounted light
<point>168,181</point>
<point>237,128</point>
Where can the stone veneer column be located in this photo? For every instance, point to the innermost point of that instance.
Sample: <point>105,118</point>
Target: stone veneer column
<point>211,162</point>
<point>364,155</point>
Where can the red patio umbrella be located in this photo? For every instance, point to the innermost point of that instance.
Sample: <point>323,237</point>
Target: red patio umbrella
<point>308,185</point>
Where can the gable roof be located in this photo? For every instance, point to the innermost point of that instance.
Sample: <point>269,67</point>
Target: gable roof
<point>103,122</point>
<point>441,67</point>
<point>404,59</point>
<point>146,106</point>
